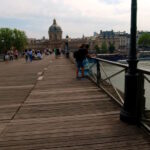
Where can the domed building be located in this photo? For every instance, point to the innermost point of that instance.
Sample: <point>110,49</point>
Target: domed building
<point>55,35</point>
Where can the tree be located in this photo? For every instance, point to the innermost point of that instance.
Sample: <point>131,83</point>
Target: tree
<point>104,47</point>
<point>144,40</point>
<point>111,48</point>
<point>20,39</point>
<point>12,39</point>
<point>6,39</point>
<point>96,47</point>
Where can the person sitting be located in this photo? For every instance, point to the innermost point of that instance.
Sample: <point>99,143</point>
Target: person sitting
<point>39,56</point>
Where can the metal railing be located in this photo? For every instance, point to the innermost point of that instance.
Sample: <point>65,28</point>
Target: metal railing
<point>104,74</point>
<point>110,76</point>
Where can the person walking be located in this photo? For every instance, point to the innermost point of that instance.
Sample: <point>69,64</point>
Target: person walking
<point>30,54</point>
<point>80,56</point>
<point>26,55</point>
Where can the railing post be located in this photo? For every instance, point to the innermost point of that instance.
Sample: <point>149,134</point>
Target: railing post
<point>141,97</point>
<point>98,73</point>
<point>129,112</point>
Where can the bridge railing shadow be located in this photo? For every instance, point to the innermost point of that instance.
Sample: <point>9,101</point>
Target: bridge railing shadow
<point>110,76</point>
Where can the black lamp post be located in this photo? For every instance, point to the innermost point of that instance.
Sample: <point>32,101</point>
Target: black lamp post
<point>129,112</point>
<point>67,46</point>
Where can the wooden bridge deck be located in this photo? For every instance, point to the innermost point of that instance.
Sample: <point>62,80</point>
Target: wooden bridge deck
<point>59,112</point>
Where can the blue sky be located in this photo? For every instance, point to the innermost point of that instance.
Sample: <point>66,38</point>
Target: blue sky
<point>76,17</point>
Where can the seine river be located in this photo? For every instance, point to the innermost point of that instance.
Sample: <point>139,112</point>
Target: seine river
<point>118,81</point>
<point>146,65</point>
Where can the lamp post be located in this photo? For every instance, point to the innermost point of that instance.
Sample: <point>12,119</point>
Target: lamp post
<point>129,112</point>
<point>67,46</point>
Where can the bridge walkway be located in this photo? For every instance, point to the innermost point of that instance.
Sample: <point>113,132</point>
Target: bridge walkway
<point>63,113</point>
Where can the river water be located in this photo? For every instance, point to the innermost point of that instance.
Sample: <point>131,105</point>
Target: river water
<point>146,65</point>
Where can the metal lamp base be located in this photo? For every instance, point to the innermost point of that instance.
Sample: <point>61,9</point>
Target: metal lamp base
<point>128,118</point>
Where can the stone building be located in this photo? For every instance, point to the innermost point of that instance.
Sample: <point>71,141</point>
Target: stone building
<point>54,41</point>
<point>55,36</point>
<point>119,39</point>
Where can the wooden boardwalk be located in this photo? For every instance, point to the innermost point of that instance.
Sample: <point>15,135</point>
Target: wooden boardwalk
<point>59,112</point>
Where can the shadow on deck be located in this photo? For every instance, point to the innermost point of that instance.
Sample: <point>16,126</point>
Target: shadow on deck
<point>63,113</point>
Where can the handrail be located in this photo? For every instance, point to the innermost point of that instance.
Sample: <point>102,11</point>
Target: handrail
<point>110,62</point>
<point>145,71</point>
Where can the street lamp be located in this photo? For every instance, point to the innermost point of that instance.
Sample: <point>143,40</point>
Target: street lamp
<point>129,112</point>
<point>67,46</point>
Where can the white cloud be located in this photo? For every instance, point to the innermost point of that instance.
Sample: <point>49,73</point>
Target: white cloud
<point>74,16</point>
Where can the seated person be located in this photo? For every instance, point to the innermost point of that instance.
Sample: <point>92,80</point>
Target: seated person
<point>39,56</point>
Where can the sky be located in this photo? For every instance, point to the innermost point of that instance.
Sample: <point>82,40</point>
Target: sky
<point>76,17</point>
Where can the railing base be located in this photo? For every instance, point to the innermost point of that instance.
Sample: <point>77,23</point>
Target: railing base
<point>128,118</point>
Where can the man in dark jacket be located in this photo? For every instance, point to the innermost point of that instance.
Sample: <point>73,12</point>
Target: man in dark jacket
<point>80,56</point>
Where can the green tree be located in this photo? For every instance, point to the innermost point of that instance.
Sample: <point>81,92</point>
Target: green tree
<point>144,40</point>
<point>20,39</point>
<point>12,39</point>
<point>111,48</point>
<point>96,47</point>
<point>6,39</point>
<point>104,47</point>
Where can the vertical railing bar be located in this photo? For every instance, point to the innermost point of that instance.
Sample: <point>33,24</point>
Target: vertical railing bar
<point>98,73</point>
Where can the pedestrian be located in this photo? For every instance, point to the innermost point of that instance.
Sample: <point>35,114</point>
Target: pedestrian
<point>80,56</point>
<point>16,54</point>
<point>11,55</point>
<point>30,55</point>
<point>7,57</point>
<point>39,55</point>
<point>55,52</point>
<point>26,55</point>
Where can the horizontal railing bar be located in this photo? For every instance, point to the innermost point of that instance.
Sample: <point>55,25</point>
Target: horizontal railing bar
<point>145,71</point>
<point>111,62</point>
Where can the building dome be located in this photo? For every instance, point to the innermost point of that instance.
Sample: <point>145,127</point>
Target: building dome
<point>54,28</point>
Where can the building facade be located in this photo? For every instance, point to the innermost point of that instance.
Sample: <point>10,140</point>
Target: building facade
<point>120,40</point>
<point>55,39</point>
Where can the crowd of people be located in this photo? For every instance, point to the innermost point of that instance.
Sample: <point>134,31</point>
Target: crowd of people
<point>11,55</point>
<point>31,55</point>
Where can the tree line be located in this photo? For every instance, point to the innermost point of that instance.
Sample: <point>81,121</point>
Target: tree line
<point>104,48</point>
<point>11,39</point>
